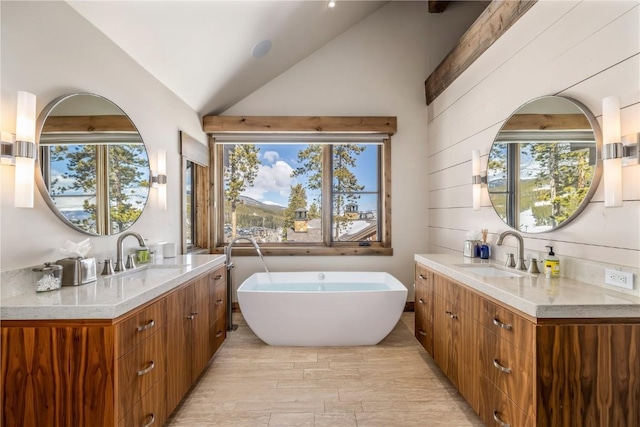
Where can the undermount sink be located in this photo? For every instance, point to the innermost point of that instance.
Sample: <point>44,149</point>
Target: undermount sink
<point>150,271</point>
<point>489,270</point>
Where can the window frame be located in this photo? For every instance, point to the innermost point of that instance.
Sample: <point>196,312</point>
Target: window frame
<point>198,154</point>
<point>268,127</point>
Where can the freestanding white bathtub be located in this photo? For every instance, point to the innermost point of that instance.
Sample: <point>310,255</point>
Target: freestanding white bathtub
<point>322,308</point>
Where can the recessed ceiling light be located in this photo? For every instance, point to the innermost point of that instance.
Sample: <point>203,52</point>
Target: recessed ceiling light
<point>332,4</point>
<point>262,48</point>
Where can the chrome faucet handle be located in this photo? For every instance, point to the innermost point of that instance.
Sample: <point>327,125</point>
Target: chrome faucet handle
<point>131,263</point>
<point>533,267</point>
<point>108,268</point>
<point>510,261</point>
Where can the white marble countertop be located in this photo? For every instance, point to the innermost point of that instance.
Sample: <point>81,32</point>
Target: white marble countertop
<point>534,294</point>
<point>110,296</point>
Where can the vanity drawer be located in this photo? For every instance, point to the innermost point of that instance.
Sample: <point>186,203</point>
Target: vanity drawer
<point>218,302</point>
<point>139,326</point>
<point>140,369</point>
<point>424,333</point>
<point>217,278</point>
<point>509,369</point>
<point>497,410</point>
<point>508,325</point>
<point>423,304</point>
<point>423,276</point>
<point>148,411</point>
<point>217,334</point>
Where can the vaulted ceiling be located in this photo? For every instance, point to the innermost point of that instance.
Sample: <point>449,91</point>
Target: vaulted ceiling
<point>202,50</point>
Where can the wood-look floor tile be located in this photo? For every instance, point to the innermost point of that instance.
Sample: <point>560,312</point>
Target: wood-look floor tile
<point>278,395</point>
<point>343,419</point>
<point>286,419</point>
<point>349,407</point>
<point>415,419</point>
<point>217,419</point>
<point>281,406</point>
<point>298,384</point>
<point>393,384</point>
<point>319,374</point>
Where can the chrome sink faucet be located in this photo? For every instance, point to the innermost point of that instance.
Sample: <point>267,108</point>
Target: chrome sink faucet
<point>119,263</point>
<point>521,265</point>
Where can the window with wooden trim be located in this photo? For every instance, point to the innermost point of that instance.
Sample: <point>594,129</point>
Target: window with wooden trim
<point>304,193</point>
<point>195,195</point>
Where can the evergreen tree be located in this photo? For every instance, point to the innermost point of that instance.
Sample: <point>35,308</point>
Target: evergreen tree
<point>126,166</point>
<point>314,212</point>
<point>241,169</point>
<point>345,183</point>
<point>297,200</point>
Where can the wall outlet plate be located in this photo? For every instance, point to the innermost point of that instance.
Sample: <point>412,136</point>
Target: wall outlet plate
<point>618,278</point>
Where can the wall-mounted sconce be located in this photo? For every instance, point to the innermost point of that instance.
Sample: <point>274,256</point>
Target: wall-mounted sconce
<point>331,4</point>
<point>614,151</point>
<point>159,178</point>
<point>20,151</point>
<point>476,179</point>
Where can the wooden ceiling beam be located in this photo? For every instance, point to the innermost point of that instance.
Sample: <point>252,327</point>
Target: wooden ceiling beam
<point>497,18</point>
<point>220,124</point>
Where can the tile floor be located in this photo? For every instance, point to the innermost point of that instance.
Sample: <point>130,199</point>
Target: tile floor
<point>395,383</point>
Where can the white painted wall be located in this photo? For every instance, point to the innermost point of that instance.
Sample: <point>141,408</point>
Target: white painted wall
<point>50,50</point>
<point>377,67</point>
<point>585,50</point>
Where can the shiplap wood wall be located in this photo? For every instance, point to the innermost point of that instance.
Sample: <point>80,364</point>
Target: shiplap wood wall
<point>585,50</point>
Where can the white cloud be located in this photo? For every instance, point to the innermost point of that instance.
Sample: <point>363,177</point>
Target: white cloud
<point>274,178</point>
<point>271,156</point>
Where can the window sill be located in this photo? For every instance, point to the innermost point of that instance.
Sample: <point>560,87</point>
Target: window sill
<point>310,251</point>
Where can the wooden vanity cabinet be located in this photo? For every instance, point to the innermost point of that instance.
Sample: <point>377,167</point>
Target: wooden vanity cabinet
<point>127,371</point>
<point>522,371</point>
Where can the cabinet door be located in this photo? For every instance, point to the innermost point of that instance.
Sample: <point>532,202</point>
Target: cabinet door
<point>442,335</point>
<point>200,333</point>
<point>465,345</point>
<point>179,328</point>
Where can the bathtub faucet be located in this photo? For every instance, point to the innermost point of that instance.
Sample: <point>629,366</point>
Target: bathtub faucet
<point>232,243</point>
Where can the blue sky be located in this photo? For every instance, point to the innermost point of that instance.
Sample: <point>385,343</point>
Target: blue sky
<point>274,179</point>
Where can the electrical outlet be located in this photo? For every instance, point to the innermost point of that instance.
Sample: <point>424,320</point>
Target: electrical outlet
<point>618,278</point>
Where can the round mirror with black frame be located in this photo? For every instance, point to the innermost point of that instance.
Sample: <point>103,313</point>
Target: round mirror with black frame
<point>93,165</point>
<point>544,164</point>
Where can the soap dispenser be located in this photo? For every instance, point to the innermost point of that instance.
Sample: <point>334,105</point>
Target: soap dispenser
<point>551,264</point>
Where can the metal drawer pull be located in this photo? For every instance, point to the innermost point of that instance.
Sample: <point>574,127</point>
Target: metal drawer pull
<point>423,333</point>
<point>448,312</point>
<point>218,302</point>
<point>217,277</point>
<point>191,317</point>
<point>422,277</point>
<point>497,419</point>
<point>151,324</point>
<point>451,314</point>
<point>151,421</point>
<point>219,334</point>
<point>421,301</point>
<point>502,325</point>
<point>148,369</point>
<point>500,367</point>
